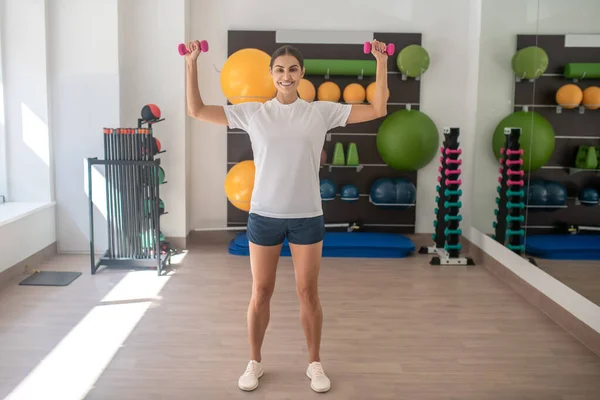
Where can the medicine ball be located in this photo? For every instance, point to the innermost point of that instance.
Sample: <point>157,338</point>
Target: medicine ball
<point>150,112</point>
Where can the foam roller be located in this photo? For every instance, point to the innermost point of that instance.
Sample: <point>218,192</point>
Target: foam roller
<point>341,67</point>
<point>581,70</point>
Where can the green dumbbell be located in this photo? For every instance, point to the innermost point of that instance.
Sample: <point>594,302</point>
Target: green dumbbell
<point>449,192</point>
<point>436,211</point>
<point>511,232</point>
<point>437,199</point>
<point>495,224</point>
<point>435,223</point>
<point>448,204</point>
<point>433,236</point>
<point>515,205</point>
<point>519,247</point>
<point>520,218</point>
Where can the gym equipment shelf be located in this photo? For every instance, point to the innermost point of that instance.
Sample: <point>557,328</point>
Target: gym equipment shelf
<point>132,181</point>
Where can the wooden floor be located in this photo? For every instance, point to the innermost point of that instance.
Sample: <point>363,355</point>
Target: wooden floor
<point>581,276</point>
<point>394,329</point>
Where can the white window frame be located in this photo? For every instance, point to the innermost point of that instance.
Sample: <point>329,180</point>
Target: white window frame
<point>3,153</point>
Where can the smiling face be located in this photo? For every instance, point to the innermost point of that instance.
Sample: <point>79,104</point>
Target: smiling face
<point>287,73</point>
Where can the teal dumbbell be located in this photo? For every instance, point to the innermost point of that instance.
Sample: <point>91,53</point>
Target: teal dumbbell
<point>515,205</point>
<point>496,212</point>
<point>520,218</point>
<point>499,189</point>
<point>453,246</point>
<point>438,188</point>
<point>495,224</point>
<point>520,193</point>
<point>452,231</point>
<point>448,204</point>
<point>436,211</point>
<point>452,218</point>
<point>497,200</point>
<point>518,247</point>
<point>449,192</point>
<point>437,199</point>
<point>435,223</point>
<point>433,236</point>
<point>511,232</point>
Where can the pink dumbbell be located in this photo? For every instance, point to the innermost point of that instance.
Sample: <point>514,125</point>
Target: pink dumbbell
<point>514,162</point>
<point>389,49</point>
<point>511,172</point>
<point>511,152</point>
<point>456,182</point>
<point>183,49</point>
<point>515,183</point>
<point>453,172</point>
<point>451,161</point>
<point>448,151</point>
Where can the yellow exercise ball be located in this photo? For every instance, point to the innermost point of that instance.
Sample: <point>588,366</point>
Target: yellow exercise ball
<point>591,98</point>
<point>569,96</point>
<point>371,92</point>
<point>354,93</point>
<point>239,184</point>
<point>246,77</point>
<point>307,90</point>
<point>329,91</point>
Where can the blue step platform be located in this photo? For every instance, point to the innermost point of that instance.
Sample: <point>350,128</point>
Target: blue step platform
<point>345,244</point>
<point>564,247</point>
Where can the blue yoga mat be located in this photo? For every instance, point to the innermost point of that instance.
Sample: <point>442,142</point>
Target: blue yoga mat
<point>345,244</point>
<point>564,247</point>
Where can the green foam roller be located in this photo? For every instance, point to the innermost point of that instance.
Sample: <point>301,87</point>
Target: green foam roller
<point>582,70</point>
<point>453,246</point>
<point>340,67</point>
<point>511,232</point>
<point>453,192</point>
<point>352,155</point>
<point>515,205</point>
<point>520,218</point>
<point>453,231</point>
<point>449,204</point>
<point>338,155</point>
<point>452,218</point>
<point>520,193</point>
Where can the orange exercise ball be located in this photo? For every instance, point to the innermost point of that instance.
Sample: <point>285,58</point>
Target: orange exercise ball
<point>569,96</point>
<point>239,184</point>
<point>329,91</point>
<point>246,77</point>
<point>307,90</point>
<point>591,98</point>
<point>354,93</point>
<point>371,92</point>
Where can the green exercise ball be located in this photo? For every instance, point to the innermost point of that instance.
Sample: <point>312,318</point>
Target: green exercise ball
<point>530,62</point>
<point>413,60</point>
<point>537,138</point>
<point>407,140</point>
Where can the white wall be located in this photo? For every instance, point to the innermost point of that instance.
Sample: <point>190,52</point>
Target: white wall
<point>36,222</point>
<point>83,63</point>
<point>26,100</point>
<point>501,21</point>
<point>152,72</point>
<point>446,28</point>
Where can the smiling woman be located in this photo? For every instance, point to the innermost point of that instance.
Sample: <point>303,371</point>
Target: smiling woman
<point>287,135</point>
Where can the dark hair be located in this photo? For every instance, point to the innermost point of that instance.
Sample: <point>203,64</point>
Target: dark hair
<point>288,50</point>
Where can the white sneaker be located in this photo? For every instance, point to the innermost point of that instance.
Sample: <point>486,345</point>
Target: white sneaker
<point>319,381</point>
<point>249,379</point>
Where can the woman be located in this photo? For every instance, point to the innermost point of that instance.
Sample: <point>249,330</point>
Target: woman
<point>287,136</point>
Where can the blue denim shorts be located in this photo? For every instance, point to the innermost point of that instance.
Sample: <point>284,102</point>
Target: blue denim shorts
<point>267,231</point>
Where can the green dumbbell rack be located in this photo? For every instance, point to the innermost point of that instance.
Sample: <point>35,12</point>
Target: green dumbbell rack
<point>508,229</point>
<point>133,176</point>
<point>447,246</point>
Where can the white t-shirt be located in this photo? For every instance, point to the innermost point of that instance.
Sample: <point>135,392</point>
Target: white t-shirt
<point>287,140</point>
